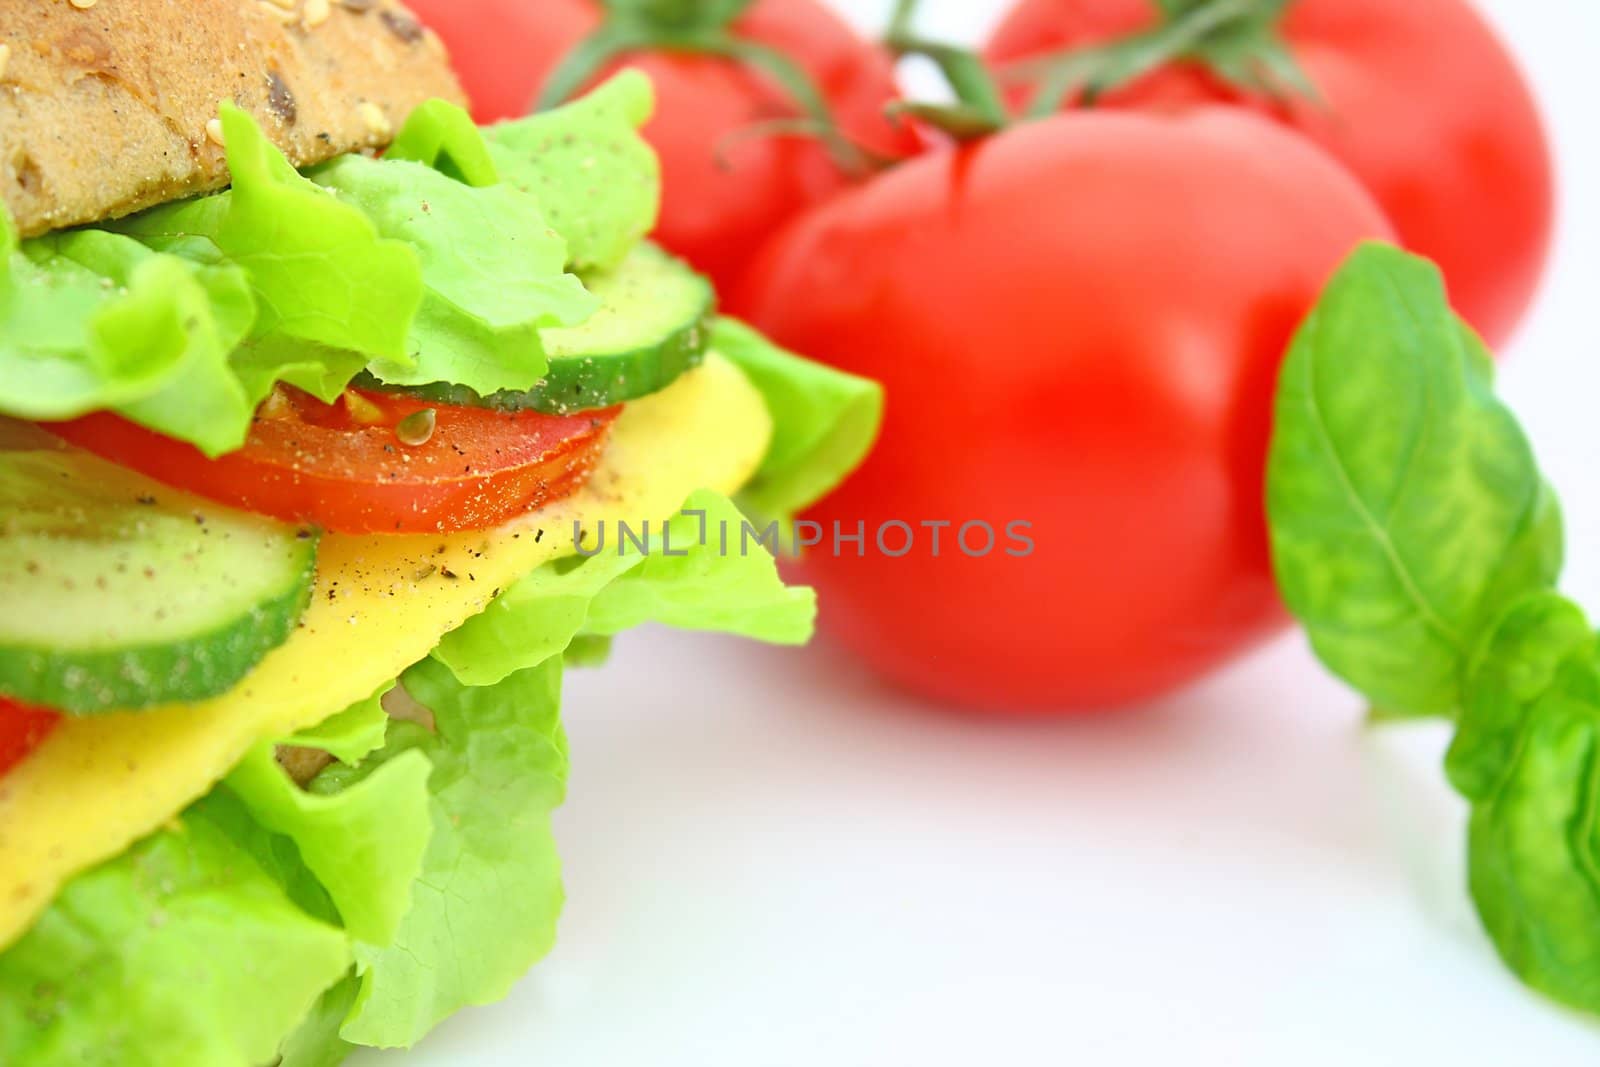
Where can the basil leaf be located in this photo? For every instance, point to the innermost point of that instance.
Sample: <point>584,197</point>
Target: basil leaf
<point>1512,670</point>
<point>1533,846</point>
<point>1406,507</point>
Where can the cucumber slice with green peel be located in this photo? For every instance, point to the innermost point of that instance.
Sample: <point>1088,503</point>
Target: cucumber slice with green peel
<point>652,326</point>
<point>123,594</point>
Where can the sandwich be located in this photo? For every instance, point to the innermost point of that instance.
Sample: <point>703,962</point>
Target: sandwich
<point>333,429</point>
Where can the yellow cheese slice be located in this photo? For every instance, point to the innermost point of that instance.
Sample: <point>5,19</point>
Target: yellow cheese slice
<point>379,605</point>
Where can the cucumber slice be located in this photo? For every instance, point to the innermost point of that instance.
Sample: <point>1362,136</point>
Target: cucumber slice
<point>653,324</point>
<point>123,594</point>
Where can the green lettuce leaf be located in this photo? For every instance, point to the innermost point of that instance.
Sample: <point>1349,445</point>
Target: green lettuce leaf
<point>181,318</point>
<point>485,906</point>
<point>588,650</point>
<point>352,734</point>
<point>684,579</point>
<point>182,950</point>
<point>262,362</point>
<point>423,267</point>
<point>320,269</point>
<point>317,1042</point>
<point>433,852</point>
<point>492,271</point>
<point>443,136</point>
<point>364,843</point>
<point>824,421</point>
<point>289,867</point>
<point>94,321</point>
<point>362,840</point>
<point>596,179</point>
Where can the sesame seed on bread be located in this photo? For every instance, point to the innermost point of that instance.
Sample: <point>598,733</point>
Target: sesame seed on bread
<point>109,106</point>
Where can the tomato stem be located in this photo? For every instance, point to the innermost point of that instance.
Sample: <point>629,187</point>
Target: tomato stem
<point>701,27</point>
<point>682,14</point>
<point>1237,40</point>
<point>587,59</point>
<point>980,109</point>
<point>957,121</point>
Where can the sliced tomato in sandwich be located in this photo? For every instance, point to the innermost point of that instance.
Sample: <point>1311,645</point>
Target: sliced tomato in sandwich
<point>371,462</point>
<point>22,729</point>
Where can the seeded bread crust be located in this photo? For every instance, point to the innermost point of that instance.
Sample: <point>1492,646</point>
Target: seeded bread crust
<point>106,106</point>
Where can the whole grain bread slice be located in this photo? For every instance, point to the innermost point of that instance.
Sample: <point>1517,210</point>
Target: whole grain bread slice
<point>108,106</point>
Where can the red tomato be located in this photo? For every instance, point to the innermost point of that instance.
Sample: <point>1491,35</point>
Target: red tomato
<point>344,467</point>
<point>1079,323</point>
<point>22,729</point>
<point>726,186</point>
<point>1418,98</point>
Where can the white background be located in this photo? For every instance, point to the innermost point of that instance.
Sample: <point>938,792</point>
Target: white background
<point>772,861</point>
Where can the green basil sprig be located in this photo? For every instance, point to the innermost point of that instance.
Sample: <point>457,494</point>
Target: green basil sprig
<point>1416,540</point>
